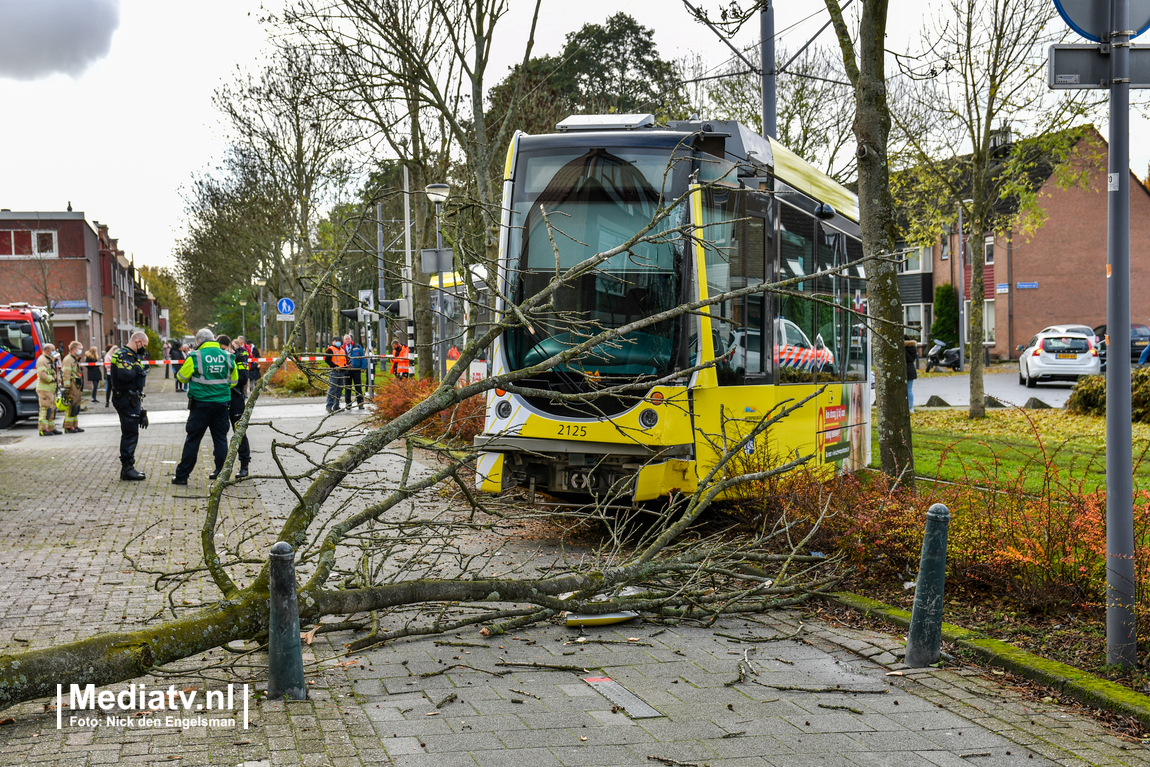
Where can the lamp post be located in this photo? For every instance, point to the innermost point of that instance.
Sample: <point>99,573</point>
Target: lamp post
<point>437,193</point>
<point>243,318</point>
<point>263,313</point>
<point>962,290</point>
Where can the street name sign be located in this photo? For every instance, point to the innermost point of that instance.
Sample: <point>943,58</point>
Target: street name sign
<point>1074,67</point>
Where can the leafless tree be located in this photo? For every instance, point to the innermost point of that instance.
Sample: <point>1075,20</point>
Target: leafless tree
<point>298,144</point>
<point>413,74</point>
<point>980,81</point>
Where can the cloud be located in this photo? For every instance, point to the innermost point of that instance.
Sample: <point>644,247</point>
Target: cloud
<point>44,37</point>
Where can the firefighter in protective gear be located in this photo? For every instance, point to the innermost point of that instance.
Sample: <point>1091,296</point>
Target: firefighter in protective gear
<point>72,377</point>
<point>46,391</point>
<point>127,382</point>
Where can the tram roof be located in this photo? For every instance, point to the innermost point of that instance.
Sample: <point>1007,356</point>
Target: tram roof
<point>740,145</point>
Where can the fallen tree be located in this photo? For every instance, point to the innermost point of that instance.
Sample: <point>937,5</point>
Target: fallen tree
<point>348,509</point>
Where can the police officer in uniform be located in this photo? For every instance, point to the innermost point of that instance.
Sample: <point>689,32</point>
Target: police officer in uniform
<point>210,373</point>
<point>127,383</point>
<point>238,404</point>
<point>243,362</point>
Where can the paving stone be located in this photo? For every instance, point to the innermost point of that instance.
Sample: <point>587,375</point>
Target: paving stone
<point>354,710</point>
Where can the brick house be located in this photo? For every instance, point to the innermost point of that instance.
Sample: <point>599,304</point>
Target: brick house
<point>1054,275</point>
<point>60,260</point>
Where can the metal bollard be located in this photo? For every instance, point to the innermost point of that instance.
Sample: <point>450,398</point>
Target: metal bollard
<point>285,654</point>
<point>924,640</point>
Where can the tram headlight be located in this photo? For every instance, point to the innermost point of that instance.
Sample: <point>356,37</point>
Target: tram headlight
<point>648,418</point>
<point>503,409</point>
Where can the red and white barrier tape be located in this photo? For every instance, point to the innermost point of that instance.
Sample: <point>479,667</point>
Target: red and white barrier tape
<point>178,363</point>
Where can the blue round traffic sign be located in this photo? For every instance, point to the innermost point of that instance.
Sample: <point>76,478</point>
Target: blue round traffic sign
<point>285,306</point>
<point>1091,18</point>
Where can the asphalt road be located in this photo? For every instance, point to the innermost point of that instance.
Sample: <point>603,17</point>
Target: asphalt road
<point>1003,386</point>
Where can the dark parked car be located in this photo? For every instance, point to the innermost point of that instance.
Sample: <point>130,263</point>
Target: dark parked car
<point>1139,338</point>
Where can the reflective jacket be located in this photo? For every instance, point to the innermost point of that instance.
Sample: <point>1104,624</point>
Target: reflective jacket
<point>70,370</point>
<point>210,373</point>
<point>127,375</point>
<point>335,356</point>
<point>401,363</point>
<point>45,374</point>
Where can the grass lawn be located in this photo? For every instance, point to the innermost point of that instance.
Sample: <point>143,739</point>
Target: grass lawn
<point>1009,444</point>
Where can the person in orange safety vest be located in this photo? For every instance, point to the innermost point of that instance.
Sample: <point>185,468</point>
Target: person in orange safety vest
<point>400,361</point>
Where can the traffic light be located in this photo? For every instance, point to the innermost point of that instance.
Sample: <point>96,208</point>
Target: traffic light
<point>356,315</point>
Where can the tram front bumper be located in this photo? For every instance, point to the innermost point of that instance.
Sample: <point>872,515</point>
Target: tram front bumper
<point>642,472</point>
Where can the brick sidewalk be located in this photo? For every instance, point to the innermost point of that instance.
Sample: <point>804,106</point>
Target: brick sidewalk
<point>68,520</point>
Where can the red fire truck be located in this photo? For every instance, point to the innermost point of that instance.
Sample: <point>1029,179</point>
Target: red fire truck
<point>23,333</point>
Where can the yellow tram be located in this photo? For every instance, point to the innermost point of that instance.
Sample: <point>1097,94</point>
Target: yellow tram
<point>751,212</point>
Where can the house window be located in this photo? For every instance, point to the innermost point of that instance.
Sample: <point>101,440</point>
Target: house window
<point>911,262</point>
<point>27,243</point>
<point>945,246</point>
<point>988,250</point>
<point>917,260</point>
<point>988,321</point>
<point>918,318</point>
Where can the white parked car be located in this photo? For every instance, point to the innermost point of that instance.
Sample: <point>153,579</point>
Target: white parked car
<point>1057,357</point>
<point>1085,330</point>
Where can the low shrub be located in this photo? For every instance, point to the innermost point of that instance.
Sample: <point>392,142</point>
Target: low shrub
<point>460,423</point>
<point>291,379</point>
<point>1089,395</point>
<point>1041,550</point>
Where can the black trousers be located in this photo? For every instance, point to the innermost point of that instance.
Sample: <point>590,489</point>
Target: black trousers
<point>235,412</point>
<point>354,380</point>
<point>204,416</point>
<point>128,408</point>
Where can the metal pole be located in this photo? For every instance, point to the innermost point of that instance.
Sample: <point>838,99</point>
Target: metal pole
<point>767,44</point>
<point>244,322</point>
<point>1121,647</point>
<point>407,292</point>
<point>961,294</point>
<point>285,654</point>
<point>380,295</point>
<point>441,347</point>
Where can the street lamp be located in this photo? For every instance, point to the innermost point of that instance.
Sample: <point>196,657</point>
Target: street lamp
<point>263,312</point>
<point>437,193</point>
<point>243,318</point>
<point>962,291</point>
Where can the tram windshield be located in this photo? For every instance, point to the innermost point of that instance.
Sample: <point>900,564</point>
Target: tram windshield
<point>595,199</point>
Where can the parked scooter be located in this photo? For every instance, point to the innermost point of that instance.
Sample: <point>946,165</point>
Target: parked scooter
<point>941,357</point>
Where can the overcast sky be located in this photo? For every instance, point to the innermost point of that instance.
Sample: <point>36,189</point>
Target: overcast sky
<point>109,101</point>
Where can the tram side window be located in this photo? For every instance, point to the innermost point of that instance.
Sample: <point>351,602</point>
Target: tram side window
<point>794,350</point>
<point>855,365</point>
<point>830,322</point>
<point>754,345</point>
<point>725,272</point>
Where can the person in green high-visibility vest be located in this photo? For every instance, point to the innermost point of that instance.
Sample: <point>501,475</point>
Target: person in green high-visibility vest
<point>210,373</point>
